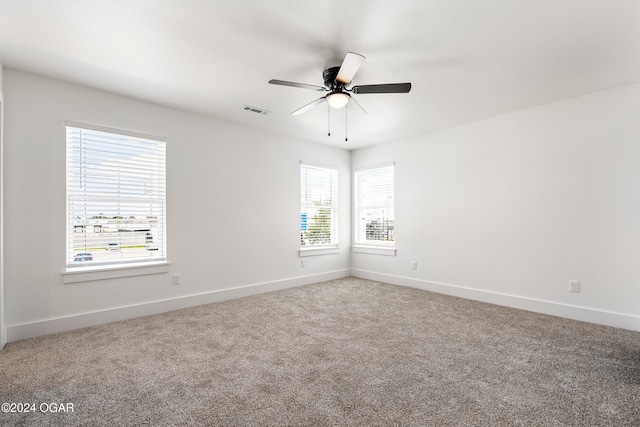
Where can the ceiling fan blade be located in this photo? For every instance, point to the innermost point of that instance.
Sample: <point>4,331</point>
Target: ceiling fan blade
<point>384,88</point>
<point>308,106</point>
<point>349,68</point>
<point>358,104</point>
<point>299,85</point>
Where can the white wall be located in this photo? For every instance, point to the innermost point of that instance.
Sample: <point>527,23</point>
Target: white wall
<point>219,176</point>
<point>510,209</point>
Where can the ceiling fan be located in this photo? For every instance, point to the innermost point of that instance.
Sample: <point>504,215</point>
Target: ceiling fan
<point>336,80</point>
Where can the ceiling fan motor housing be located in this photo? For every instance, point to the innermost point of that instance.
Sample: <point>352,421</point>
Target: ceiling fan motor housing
<point>329,75</point>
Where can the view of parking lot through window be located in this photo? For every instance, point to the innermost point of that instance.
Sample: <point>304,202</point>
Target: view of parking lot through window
<point>110,239</point>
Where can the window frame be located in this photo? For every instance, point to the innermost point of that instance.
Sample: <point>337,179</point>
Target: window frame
<point>332,247</point>
<point>156,262</point>
<point>376,247</point>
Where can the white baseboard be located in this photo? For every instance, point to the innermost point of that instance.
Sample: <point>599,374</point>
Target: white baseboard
<point>584,314</point>
<point>67,323</point>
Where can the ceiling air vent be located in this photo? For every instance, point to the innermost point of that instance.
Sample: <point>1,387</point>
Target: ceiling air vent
<point>256,110</point>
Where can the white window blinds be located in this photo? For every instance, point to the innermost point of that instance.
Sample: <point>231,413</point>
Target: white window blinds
<point>116,197</point>
<point>318,205</point>
<point>374,206</point>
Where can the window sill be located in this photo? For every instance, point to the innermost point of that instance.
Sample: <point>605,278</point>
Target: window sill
<point>318,251</point>
<point>375,250</point>
<point>89,274</point>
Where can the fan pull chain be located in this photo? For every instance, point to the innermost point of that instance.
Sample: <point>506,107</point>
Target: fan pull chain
<point>346,125</point>
<point>329,118</point>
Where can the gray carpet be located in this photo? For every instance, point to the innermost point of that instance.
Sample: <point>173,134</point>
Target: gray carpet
<point>344,352</point>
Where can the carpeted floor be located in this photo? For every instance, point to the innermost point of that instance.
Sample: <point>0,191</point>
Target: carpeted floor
<point>344,352</point>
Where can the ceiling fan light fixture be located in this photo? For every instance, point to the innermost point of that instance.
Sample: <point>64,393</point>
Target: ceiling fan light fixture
<point>338,99</point>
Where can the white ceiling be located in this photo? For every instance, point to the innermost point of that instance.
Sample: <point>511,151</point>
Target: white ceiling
<point>466,59</point>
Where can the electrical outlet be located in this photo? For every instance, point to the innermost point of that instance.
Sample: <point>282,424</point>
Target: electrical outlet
<point>177,279</point>
<point>303,263</point>
<point>574,286</point>
<point>414,265</point>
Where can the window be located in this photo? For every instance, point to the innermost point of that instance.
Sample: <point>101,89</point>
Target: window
<point>116,201</point>
<point>318,206</point>
<point>374,206</point>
